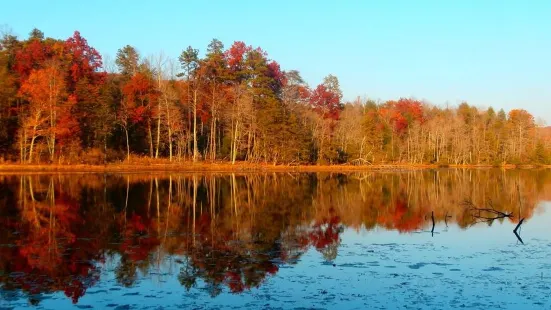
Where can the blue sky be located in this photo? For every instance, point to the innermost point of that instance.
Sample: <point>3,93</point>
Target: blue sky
<point>488,53</point>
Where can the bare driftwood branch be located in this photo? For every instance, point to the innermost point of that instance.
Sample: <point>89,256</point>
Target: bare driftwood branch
<point>515,231</point>
<point>433,223</point>
<point>488,214</point>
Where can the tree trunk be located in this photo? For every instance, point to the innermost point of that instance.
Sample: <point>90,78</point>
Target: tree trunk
<point>249,141</point>
<point>31,150</point>
<point>158,129</point>
<point>150,138</point>
<point>235,137</point>
<point>51,144</point>
<point>519,141</point>
<point>213,125</point>
<point>195,125</point>
<point>23,146</point>
<point>213,139</point>
<point>127,145</point>
<point>168,125</point>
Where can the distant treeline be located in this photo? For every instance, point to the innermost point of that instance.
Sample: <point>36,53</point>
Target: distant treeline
<point>61,103</point>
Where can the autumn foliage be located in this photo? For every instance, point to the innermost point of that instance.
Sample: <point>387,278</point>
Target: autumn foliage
<point>59,105</point>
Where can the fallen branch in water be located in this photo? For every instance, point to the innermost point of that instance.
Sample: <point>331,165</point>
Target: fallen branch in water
<point>516,229</point>
<point>485,214</point>
<point>518,225</point>
<point>433,223</point>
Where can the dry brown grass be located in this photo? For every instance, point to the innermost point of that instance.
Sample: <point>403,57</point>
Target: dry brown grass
<point>151,165</point>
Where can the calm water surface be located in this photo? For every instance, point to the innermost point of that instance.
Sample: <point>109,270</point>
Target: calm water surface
<point>314,241</point>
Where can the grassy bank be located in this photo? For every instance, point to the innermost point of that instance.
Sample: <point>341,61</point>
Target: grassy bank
<point>147,166</point>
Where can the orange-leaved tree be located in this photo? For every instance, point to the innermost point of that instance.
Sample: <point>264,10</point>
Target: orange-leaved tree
<point>45,90</point>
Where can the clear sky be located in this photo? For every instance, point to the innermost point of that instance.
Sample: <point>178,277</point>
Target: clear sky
<point>488,53</point>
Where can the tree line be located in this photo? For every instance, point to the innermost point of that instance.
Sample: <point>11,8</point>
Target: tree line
<point>60,102</point>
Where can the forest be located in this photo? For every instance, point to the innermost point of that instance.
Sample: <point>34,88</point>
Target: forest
<point>61,103</point>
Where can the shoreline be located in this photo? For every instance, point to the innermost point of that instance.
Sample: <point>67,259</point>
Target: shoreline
<point>239,167</point>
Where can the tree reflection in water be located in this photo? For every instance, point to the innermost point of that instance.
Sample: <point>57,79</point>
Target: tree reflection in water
<point>225,231</point>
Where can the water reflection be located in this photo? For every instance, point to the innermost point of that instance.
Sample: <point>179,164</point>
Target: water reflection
<point>229,231</point>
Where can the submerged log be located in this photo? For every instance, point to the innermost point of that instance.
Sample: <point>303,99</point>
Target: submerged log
<point>433,223</point>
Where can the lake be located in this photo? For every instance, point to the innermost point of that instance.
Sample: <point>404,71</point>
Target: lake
<point>427,239</point>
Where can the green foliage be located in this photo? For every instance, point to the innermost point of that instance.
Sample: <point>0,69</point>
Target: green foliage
<point>36,34</point>
<point>189,61</point>
<point>128,60</point>
<point>541,154</point>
